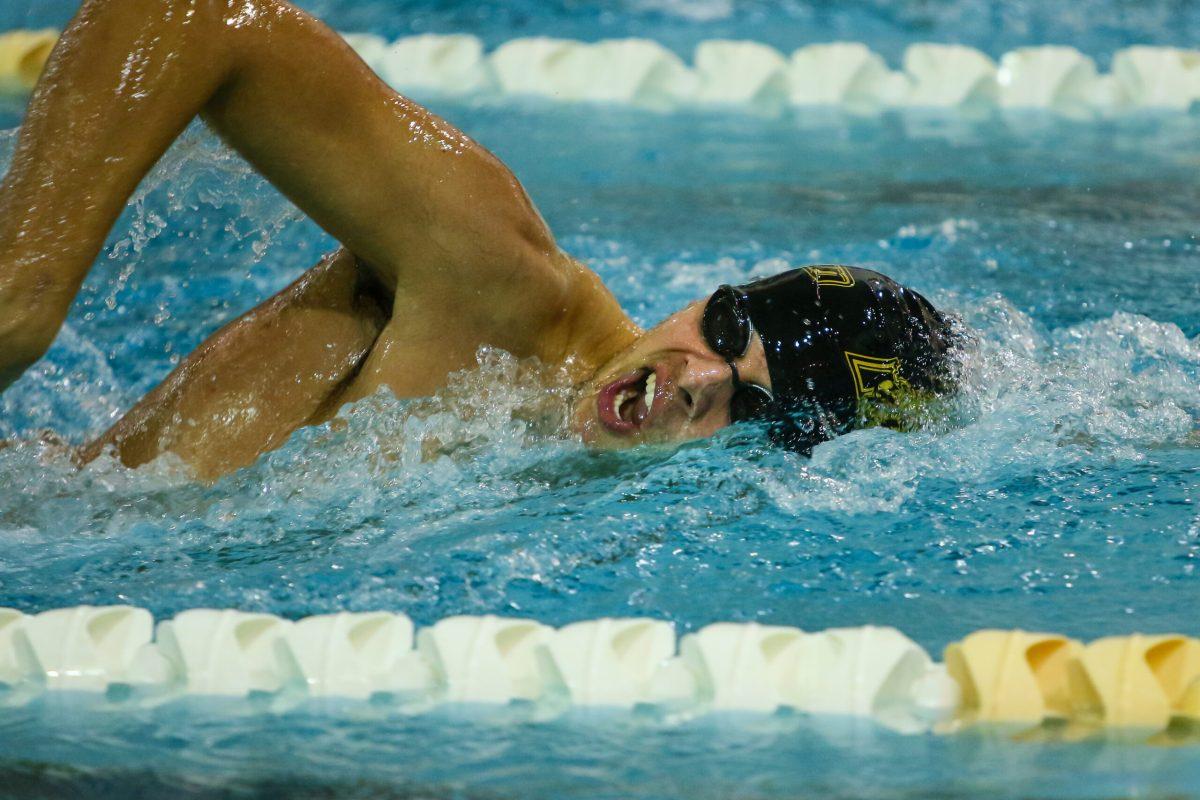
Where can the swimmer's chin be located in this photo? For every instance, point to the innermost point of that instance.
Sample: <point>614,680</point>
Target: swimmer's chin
<point>585,423</point>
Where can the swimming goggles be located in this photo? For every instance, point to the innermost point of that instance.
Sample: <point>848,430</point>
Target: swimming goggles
<point>726,328</point>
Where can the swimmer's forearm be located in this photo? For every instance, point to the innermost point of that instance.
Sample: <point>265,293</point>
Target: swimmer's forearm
<point>124,80</point>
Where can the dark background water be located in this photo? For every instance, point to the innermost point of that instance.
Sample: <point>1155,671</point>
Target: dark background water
<point>1098,27</point>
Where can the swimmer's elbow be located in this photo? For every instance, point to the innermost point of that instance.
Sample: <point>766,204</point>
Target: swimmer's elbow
<point>16,357</point>
<point>28,325</point>
<point>19,353</point>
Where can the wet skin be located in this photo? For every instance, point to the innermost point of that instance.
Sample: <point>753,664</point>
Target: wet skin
<point>443,251</point>
<point>690,389</point>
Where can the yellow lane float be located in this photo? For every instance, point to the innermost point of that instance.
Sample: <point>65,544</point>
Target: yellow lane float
<point>1136,680</point>
<point>1012,676</point>
<point>22,56</point>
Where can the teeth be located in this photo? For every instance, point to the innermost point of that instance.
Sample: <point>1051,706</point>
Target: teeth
<point>621,397</point>
<point>648,397</point>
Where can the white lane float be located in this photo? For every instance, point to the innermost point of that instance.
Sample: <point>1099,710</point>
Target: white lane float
<point>484,659</point>
<point>1158,77</point>
<point>12,673</point>
<point>741,667</point>
<point>350,655</point>
<point>528,66</point>
<point>1057,78</point>
<point>605,662</point>
<point>224,652</point>
<point>839,74</point>
<point>369,47</point>
<point>639,72</point>
<point>870,672</point>
<point>84,648</point>
<point>739,73</point>
<point>636,72</point>
<point>949,76</point>
<point>452,65</point>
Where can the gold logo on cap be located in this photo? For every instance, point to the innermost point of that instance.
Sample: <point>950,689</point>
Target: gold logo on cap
<point>877,378</point>
<point>830,275</point>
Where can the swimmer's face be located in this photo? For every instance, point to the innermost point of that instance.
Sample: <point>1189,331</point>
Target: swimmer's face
<point>690,386</point>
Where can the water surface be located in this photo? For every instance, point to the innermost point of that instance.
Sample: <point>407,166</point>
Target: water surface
<point>1061,495</point>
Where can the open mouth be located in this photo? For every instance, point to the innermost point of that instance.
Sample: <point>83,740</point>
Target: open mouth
<point>625,405</point>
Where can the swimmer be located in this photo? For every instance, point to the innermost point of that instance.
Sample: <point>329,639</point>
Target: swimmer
<point>442,252</point>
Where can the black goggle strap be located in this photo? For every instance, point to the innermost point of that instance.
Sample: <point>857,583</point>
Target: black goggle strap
<point>749,400</point>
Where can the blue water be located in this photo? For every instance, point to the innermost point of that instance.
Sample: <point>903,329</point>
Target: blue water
<point>1060,494</point>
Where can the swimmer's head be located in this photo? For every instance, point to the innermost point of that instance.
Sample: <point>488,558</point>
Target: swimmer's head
<point>811,353</point>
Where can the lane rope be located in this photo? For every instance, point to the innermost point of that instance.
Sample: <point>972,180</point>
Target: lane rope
<point>745,75</point>
<point>995,676</point>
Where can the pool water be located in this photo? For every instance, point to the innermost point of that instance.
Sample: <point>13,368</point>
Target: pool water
<point>1059,494</point>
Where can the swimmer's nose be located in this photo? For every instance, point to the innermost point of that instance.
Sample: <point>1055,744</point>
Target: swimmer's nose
<point>702,384</point>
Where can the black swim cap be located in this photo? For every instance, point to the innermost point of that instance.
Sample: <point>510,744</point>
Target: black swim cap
<point>839,340</point>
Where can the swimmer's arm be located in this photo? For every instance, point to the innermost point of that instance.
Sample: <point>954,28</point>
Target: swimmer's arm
<point>249,385</point>
<point>406,192</point>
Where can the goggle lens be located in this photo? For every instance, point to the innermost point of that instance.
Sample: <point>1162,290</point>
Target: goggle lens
<point>725,324</point>
<point>726,329</point>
